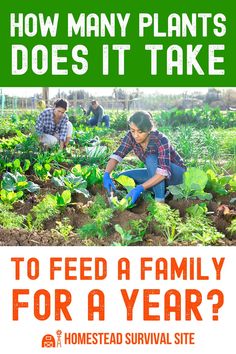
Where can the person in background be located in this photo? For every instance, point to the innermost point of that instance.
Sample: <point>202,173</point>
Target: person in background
<point>41,105</point>
<point>98,115</point>
<point>52,124</point>
<point>163,165</point>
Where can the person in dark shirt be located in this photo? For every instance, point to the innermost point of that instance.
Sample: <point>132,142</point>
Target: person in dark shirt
<point>98,115</point>
<point>164,166</point>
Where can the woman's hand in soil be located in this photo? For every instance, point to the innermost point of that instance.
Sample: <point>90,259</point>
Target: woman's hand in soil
<point>108,183</point>
<point>135,193</point>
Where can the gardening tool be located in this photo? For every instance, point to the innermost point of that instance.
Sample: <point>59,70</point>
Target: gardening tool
<point>109,197</point>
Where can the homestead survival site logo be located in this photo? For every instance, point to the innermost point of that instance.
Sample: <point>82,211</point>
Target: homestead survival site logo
<point>117,338</point>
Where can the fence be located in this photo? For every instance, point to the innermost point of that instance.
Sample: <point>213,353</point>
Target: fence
<point>14,104</point>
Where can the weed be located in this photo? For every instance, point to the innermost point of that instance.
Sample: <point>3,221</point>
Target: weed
<point>9,219</point>
<point>63,228</point>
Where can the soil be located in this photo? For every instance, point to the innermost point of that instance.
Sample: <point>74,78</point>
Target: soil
<point>221,212</point>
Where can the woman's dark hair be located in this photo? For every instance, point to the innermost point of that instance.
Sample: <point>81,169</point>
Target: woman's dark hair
<point>143,120</point>
<point>61,103</point>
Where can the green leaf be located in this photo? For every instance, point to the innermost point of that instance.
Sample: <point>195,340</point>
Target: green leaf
<point>16,164</point>
<point>95,151</point>
<point>58,181</point>
<point>32,187</point>
<point>197,210</point>
<point>66,196</point>
<point>126,182</point>
<point>119,229</point>
<point>195,176</point>
<point>76,170</point>
<point>122,204</point>
<point>47,167</point>
<point>22,184</point>
<point>59,173</point>
<point>83,191</point>
<point>9,181</point>
<point>26,166</point>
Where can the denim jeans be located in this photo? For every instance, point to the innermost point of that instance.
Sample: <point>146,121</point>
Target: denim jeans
<point>94,121</point>
<point>141,175</point>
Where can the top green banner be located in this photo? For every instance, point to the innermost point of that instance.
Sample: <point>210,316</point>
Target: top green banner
<point>128,43</point>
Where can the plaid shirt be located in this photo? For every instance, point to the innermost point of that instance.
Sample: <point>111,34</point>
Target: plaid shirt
<point>158,145</point>
<point>45,124</point>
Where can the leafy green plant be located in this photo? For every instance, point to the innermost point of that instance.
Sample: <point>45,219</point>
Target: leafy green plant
<point>126,237</point>
<point>166,219</point>
<point>63,199</point>
<point>17,182</point>
<point>16,166</point>
<point>98,205</point>
<point>98,226</point>
<point>119,121</point>
<point>198,230</point>
<point>216,183</point>
<point>9,219</point>
<point>42,171</point>
<point>72,183</point>
<point>59,172</point>
<point>92,174</point>
<point>121,205</point>
<point>95,154</point>
<point>43,211</point>
<point>10,197</point>
<point>83,137</point>
<point>88,230</point>
<point>95,151</point>
<point>194,182</point>
<point>197,210</point>
<point>139,227</point>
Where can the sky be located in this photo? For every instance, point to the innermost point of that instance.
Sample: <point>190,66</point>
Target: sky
<point>97,91</point>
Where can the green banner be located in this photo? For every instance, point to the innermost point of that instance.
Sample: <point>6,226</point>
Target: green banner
<point>126,43</point>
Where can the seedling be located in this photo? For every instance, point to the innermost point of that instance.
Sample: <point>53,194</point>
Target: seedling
<point>126,237</point>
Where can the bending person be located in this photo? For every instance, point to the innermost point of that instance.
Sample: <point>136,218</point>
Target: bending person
<point>98,115</point>
<point>164,166</point>
<point>51,125</point>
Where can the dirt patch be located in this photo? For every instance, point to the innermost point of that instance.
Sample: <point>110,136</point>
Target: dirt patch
<point>123,218</point>
<point>182,205</point>
<point>226,199</point>
<point>77,218</point>
<point>97,189</point>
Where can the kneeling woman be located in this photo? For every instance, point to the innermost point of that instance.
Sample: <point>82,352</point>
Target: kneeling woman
<point>164,166</point>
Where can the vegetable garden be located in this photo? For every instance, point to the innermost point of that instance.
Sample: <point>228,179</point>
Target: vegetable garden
<point>56,197</point>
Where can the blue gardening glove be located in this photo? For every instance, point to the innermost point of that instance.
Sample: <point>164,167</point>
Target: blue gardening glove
<point>135,193</point>
<point>108,183</point>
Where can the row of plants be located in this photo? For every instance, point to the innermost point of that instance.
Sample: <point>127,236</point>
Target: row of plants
<point>202,117</point>
<point>26,169</point>
<point>196,228</point>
